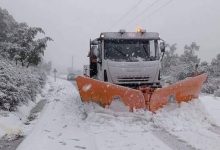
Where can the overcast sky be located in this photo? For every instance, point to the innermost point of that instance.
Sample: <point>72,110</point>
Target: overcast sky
<point>71,23</point>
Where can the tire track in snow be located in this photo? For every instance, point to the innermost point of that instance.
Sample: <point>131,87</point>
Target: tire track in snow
<point>171,140</point>
<point>215,129</point>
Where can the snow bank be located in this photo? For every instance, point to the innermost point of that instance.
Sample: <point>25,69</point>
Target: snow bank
<point>10,126</point>
<point>189,122</point>
<point>182,117</point>
<point>13,124</point>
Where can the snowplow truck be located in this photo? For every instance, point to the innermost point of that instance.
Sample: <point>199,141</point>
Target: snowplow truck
<point>126,66</point>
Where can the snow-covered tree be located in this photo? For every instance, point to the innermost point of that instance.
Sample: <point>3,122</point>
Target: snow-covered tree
<point>170,59</point>
<point>188,61</point>
<point>19,44</point>
<point>18,39</point>
<point>215,69</point>
<point>189,56</point>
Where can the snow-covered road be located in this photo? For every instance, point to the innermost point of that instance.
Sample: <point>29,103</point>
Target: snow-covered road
<point>67,124</point>
<point>57,127</point>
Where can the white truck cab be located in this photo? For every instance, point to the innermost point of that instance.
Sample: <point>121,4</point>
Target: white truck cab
<point>127,58</point>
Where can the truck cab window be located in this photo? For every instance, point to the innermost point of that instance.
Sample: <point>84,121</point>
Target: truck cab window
<point>130,50</point>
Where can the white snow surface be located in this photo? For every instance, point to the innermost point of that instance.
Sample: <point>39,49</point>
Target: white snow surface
<point>66,123</point>
<point>213,107</point>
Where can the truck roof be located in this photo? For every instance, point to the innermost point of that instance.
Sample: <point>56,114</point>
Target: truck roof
<point>130,35</point>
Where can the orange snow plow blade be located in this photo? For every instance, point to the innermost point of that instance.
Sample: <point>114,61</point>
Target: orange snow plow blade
<point>182,91</point>
<point>104,93</point>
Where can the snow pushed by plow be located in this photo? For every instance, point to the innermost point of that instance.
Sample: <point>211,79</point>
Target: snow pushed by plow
<point>67,123</point>
<point>186,126</point>
<point>189,123</point>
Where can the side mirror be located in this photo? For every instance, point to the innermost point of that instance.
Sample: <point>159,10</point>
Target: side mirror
<point>162,47</point>
<point>94,50</point>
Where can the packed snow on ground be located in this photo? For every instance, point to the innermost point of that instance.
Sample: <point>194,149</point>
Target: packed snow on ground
<point>66,123</point>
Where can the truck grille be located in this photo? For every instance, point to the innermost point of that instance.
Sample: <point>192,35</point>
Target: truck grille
<point>133,79</point>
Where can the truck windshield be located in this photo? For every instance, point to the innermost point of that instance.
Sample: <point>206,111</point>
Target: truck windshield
<point>131,50</point>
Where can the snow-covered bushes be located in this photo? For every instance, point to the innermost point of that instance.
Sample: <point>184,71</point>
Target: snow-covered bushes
<point>181,66</point>
<point>21,51</point>
<point>213,70</point>
<point>18,84</point>
<point>209,88</point>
